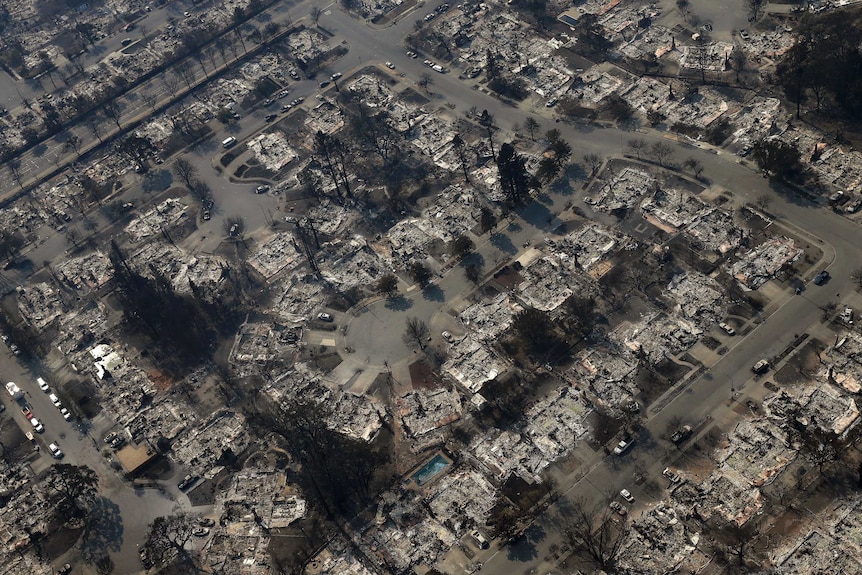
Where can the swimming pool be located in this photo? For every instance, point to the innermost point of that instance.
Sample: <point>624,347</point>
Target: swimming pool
<point>428,471</point>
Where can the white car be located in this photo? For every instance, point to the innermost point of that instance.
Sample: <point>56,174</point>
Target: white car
<point>390,65</point>
<point>37,425</point>
<point>727,329</point>
<point>55,451</point>
<point>623,446</point>
<point>66,415</point>
<point>43,385</point>
<point>324,317</point>
<point>624,493</point>
<point>55,400</point>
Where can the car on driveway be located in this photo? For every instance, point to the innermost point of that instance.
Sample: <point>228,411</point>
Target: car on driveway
<point>187,482</point>
<point>674,478</point>
<point>619,507</point>
<point>324,316</point>
<point>623,446</point>
<point>624,493</point>
<point>727,329</point>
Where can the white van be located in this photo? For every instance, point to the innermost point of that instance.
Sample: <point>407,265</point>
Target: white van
<point>228,142</point>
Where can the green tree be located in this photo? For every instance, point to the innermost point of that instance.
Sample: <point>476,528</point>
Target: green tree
<point>420,273</point>
<point>387,285</point>
<point>461,247</point>
<point>535,329</point>
<point>777,159</point>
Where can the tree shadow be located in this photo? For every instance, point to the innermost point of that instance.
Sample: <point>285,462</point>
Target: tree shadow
<point>514,227</point>
<point>474,259</point>
<point>398,303</point>
<point>537,215</point>
<point>434,293</point>
<point>157,180</point>
<point>39,150</point>
<point>503,243</point>
<point>793,196</point>
<point>104,531</point>
<point>544,198</point>
<point>524,547</point>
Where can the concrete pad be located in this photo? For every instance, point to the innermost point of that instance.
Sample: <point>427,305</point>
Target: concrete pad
<point>328,341</point>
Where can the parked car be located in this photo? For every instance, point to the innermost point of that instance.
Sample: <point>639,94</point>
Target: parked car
<point>206,215</point>
<point>761,366</point>
<point>727,329</point>
<point>200,532</point>
<point>480,539</point>
<point>55,451</point>
<point>110,437</point>
<point>390,65</point>
<point>268,102</point>
<point>847,316</point>
<point>262,189</point>
<point>37,425</point>
<point>283,94</point>
<point>674,478</point>
<point>336,76</point>
<point>25,409</point>
<point>324,84</point>
<point>206,522</point>
<point>54,399</point>
<point>187,482</point>
<point>65,569</point>
<point>623,446</point>
<point>681,434</point>
<point>66,414</point>
<point>624,493</point>
<point>821,278</point>
<point>324,316</point>
<point>619,507</point>
<point>118,442</point>
<point>43,385</point>
<point>270,117</point>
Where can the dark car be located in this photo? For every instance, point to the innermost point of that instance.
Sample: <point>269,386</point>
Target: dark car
<point>821,278</point>
<point>324,84</point>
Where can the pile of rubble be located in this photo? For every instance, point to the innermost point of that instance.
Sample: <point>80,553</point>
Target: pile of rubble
<point>200,448</point>
<point>472,364</point>
<point>556,423</point>
<point>660,541</point>
<point>272,150</point>
<point>608,375</point>
<point>760,264</point>
<point>489,318</point>
<point>424,411</point>
<point>758,451</point>
<point>821,405</point>
<point>697,298</point>
<point>281,506</point>
<point>462,498</point>
<point>162,217</point>
<point>85,273</point>
<point>274,254</point>
<point>657,336</point>
<point>39,304</point>
<point>716,231</point>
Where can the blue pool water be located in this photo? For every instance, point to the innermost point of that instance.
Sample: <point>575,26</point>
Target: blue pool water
<point>429,470</point>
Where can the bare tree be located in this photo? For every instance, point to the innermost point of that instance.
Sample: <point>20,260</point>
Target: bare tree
<point>416,332</point>
<point>150,100</point>
<point>661,151</point>
<point>315,14</point>
<point>755,9</point>
<point>531,125</point>
<point>762,202</point>
<point>94,123</point>
<point>168,539</point>
<point>461,151</point>
<point>425,80</point>
<point>171,82</point>
<point>637,146</point>
<point>186,171</point>
<point>694,165</point>
<point>72,142</point>
<point>387,285</point>
<point>14,166</point>
<point>856,276</point>
<point>593,162</point>
<point>113,111</point>
<point>593,532</point>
